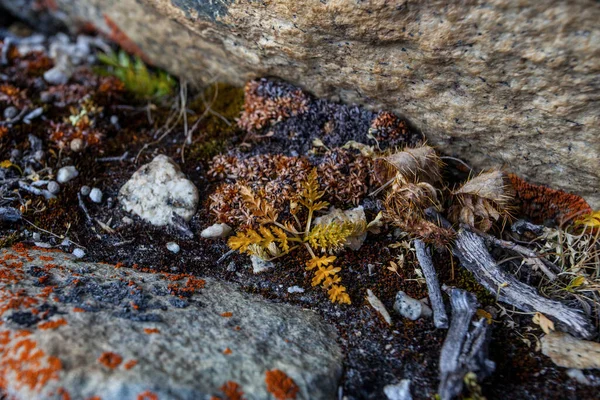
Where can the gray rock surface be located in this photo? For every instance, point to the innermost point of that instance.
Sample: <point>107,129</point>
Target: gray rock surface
<point>159,190</point>
<point>511,84</point>
<point>570,352</point>
<point>117,333</point>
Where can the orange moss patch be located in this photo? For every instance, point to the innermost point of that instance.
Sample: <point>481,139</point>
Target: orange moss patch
<point>52,324</point>
<point>281,386</point>
<point>130,364</point>
<point>110,360</point>
<point>540,203</point>
<point>23,364</point>
<point>227,351</point>
<point>227,314</point>
<point>150,331</point>
<point>147,395</point>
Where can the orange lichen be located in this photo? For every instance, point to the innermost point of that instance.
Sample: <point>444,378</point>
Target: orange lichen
<point>227,351</point>
<point>281,386</point>
<point>46,258</point>
<point>130,364</point>
<point>227,314</point>
<point>147,395</point>
<point>78,309</point>
<point>52,324</point>
<point>150,331</point>
<point>95,398</point>
<point>231,391</point>
<point>540,203</point>
<point>23,364</point>
<point>62,392</point>
<point>110,360</point>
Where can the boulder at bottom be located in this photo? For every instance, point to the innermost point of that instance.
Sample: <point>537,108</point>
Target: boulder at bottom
<point>86,329</point>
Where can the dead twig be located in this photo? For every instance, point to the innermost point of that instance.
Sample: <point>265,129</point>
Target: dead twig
<point>463,351</point>
<point>474,256</point>
<point>440,318</point>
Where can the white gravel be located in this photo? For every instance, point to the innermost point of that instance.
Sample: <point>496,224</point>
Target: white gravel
<point>65,174</point>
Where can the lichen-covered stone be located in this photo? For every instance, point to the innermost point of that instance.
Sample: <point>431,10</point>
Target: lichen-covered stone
<point>570,352</point>
<point>87,329</point>
<point>158,191</point>
<point>499,84</point>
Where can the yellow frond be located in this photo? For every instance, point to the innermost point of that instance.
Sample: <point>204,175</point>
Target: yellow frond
<point>243,239</point>
<point>319,262</point>
<point>591,220</point>
<point>338,294</point>
<point>281,238</point>
<point>330,236</point>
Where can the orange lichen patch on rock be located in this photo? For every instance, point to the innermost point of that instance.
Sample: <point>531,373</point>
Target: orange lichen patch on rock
<point>281,386</point>
<point>150,331</point>
<point>541,203</point>
<point>46,258</point>
<point>262,108</point>
<point>227,351</point>
<point>23,364</point>
<point>227,314</point>
<point>62,392</point>
<point>94,398</point>
<point>192,284</point>
<point>147,395</point>
<point>121,38</point>
<point>130,364</point>
<point>78,309</point>
<point>110,360</point>
<point>46,292</point>
<point>52,324</point>
<point>231,391</point>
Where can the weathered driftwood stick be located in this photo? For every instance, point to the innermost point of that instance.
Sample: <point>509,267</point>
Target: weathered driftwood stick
<point>463,351</point>
<point>530,257</point>
<point>440,318</point>
<point>473,255</point>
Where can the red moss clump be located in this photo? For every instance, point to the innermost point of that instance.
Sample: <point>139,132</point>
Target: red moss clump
<point>540,203</point>
<point>263,107</point>
<point>52,324</point>
<point>281,386</point>
<point>387,126</point>
<point>110,360</point>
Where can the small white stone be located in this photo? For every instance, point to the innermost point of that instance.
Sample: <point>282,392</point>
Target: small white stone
<point>157,191</point>
<point>53,187</point>
<point>295,289</point>
<point>173,247</point>
<point>399,391</point>
<point>85,190</point>
<point>410,308</point>
<point>96,195</point>
<point>79,253</point>
<point>65,174</point>
<point>216,231</point>
<point>36,236</point>
<point>76,145</point>
<point>127,220</point>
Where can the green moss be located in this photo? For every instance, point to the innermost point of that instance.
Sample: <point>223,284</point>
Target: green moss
<point>218,125</point>
<point>9,240</point>
<point>465,280</point>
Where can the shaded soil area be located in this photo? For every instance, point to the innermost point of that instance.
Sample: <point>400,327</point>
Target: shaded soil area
<point>121,125</point>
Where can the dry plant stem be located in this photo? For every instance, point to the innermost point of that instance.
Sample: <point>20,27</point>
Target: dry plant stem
<point>440,318</point>
<point>474,256</point>
<point>530,256</point>
<point>463,351</point>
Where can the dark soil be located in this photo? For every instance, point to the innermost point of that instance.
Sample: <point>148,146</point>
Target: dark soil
<point>376,354</point>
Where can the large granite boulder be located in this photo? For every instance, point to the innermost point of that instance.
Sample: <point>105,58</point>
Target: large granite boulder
<point>91,330</point>
<point>498,83</point>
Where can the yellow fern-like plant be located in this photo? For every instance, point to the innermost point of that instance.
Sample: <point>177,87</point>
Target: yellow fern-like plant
<point>275,239</point>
